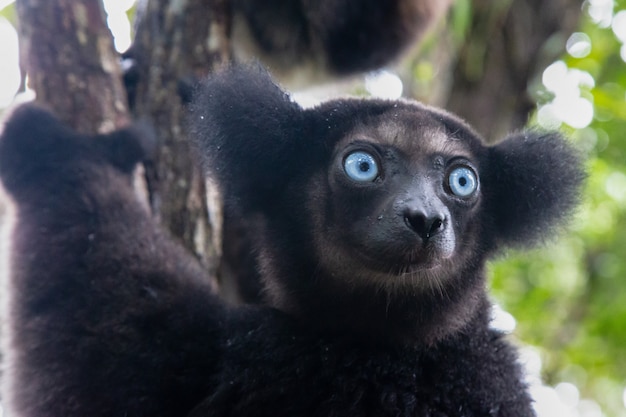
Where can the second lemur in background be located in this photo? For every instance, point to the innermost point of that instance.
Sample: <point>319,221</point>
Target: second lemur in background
<point>304,40</point>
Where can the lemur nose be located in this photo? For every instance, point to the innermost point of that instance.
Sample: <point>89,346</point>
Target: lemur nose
<point>426,225</point>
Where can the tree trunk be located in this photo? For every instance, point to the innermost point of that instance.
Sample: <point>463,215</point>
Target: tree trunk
<point>67,51</point>
<point>176,41</point>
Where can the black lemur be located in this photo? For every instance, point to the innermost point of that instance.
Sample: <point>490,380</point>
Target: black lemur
<point>376,219</point>
<point>308,40</point>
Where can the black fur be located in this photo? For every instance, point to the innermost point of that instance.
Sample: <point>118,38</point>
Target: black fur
<point>107,316</point>
<point>306,42</point>
<point>330,37</point>
<point>103,312</point>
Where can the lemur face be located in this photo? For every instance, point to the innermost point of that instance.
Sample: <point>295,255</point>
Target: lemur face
<point>399,202</point>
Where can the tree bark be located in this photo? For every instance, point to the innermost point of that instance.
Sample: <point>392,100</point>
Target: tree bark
<point>177,41</point>
<point>506,47</point>
<point>67,51</point>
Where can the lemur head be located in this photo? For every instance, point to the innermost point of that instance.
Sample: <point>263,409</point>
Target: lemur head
<point>375,211</point>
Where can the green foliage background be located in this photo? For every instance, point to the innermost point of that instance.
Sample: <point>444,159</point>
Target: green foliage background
<point>570,296</point>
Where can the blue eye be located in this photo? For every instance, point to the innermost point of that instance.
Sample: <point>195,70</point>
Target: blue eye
<point>361,166</point>
<point>462,182</point>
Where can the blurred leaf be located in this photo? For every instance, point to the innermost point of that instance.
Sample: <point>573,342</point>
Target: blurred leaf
<point>9,13</point>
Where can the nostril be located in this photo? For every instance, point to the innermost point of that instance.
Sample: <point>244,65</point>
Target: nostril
<point>426,226</point>
<point>436,227</point>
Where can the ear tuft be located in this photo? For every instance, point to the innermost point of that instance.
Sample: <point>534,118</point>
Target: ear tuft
<point>29,145</point>
<point>247,130</point>
<point>533,186</point>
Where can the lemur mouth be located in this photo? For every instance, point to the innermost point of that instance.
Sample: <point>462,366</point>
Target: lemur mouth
<point>412,268</point>
<point>401,264</point>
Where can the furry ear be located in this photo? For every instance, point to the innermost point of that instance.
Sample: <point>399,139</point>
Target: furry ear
<point>32,147</point>
<point>248,131</point>
<point>532,187</point>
